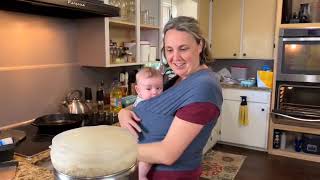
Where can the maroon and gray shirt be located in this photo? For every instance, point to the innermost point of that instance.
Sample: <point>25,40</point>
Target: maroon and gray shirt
<point>197,99</point>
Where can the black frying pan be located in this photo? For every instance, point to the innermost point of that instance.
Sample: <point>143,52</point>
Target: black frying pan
<point>56,123</point>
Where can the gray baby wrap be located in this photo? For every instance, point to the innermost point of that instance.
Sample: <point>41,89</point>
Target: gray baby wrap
<point>158,113</point>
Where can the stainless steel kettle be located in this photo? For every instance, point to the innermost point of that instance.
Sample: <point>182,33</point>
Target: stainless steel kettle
<point>73,103</point>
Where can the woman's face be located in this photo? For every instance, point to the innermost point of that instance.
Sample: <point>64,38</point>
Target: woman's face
<point>182,52</point>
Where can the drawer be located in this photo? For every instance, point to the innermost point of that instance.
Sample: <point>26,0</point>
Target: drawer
<point>252,95</point>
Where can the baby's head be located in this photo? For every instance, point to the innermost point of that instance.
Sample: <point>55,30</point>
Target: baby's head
<point>149,83</point>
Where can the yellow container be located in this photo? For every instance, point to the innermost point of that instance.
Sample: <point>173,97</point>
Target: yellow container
<point>264,79</point>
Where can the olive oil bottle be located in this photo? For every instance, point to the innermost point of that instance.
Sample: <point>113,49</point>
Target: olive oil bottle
<point>115,97</point>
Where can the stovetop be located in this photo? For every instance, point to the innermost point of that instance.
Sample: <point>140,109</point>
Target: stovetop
<point>34,143</point>
<point>37,141</point>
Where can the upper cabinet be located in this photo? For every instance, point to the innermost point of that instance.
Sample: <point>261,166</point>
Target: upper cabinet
<point>131,39</point>
<point>243,29</point>
<point>226,32</point>
<point>204,17</point>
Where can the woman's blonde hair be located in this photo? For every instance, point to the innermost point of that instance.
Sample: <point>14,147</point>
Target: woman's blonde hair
<point>191,26</point>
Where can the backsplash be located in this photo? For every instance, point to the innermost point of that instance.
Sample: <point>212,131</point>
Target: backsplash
<point>38,66</point>
<point>253,65</point>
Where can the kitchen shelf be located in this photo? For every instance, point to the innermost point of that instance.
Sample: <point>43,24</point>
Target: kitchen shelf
<point>300,25</point>
<point>94,50</point>
<point>125,64</point>
<point>121,24</point>
<point>147,26</point>
<point>296,128</point>
<point>290,152</point>
<point>125,24</point>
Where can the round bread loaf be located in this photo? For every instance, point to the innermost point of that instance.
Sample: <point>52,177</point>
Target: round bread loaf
<point>93,151</point>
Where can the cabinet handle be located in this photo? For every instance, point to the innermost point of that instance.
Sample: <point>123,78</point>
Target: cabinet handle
<point>262,109</point>
<point>234,54</point>
<point>244,54</point>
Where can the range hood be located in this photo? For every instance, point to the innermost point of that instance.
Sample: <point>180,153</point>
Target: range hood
<point>62,8</point>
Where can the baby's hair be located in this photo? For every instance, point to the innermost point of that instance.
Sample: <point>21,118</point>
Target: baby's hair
<point>148,72</point>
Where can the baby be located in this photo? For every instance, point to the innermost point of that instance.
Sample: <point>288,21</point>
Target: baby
<point>149,84</point>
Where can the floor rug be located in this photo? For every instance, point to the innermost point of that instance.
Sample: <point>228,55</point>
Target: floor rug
<point>221,166</point>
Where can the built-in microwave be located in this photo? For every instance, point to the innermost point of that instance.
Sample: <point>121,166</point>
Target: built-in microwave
<point>299,55</point>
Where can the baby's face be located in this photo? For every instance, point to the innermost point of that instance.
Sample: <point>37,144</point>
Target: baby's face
<point>149,87</point>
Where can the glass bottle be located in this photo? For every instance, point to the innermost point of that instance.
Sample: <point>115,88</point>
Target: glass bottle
<point>100,98</point>
<point>115,98</point>
<point>88,100</point>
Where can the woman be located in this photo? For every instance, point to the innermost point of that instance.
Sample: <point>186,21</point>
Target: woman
<point>174,127</point>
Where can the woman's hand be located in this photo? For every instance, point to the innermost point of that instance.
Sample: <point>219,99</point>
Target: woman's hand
<point>128,119</point>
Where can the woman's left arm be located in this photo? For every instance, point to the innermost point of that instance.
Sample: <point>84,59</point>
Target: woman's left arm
<point>167,151</point>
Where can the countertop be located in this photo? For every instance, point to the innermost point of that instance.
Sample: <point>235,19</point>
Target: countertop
<point>237,86</point>
<point>28,169</point>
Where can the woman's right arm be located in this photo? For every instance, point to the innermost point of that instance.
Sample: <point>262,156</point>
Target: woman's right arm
<point>129,120</point>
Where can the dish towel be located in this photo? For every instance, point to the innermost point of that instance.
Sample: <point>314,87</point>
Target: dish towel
<point>243,112</point>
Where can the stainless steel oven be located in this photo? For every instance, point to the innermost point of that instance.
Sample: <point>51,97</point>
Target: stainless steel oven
<point>298,101</point>
<point>299,55</point>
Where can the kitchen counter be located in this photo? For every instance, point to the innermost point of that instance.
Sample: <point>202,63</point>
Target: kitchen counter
<point>237,86</point>
<point>28,169</point>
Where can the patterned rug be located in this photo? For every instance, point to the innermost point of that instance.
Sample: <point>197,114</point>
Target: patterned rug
<point>221,166</point>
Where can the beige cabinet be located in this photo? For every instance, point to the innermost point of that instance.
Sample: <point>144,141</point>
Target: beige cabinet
<point>226,28</point>
<point>205,20</point>
<point>204,16</point>
<point>243,29</point>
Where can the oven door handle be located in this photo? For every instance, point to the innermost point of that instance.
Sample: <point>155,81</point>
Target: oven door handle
<point>295,118</point>
<point>301,39</point>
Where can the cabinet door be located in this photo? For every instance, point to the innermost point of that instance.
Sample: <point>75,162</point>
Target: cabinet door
<point>205,21</point>
<point>214,136</point>
<point>254,134</point>
<point>226,28</point>
<point>203,16</point>
<point>258,29</point>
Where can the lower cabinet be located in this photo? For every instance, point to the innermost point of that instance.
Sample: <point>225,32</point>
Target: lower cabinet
<point>256,132</point>
<point>214,136</point>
